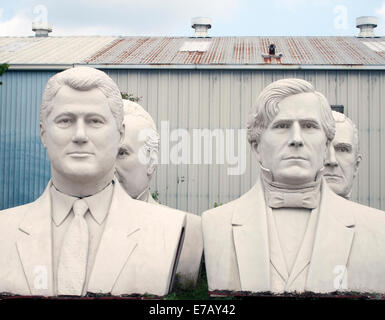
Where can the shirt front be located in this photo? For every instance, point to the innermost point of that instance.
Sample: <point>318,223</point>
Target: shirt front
<point>62,216</point>
<point>291,237</point>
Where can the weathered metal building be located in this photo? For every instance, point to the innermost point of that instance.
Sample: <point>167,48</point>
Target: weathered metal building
<point>193,83</point>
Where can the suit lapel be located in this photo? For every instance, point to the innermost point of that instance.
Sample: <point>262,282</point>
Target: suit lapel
<point>276,254</point>
<point>251,241</point>
<point>333,240</point>
<point>119,240</point>
<point>34,245</point>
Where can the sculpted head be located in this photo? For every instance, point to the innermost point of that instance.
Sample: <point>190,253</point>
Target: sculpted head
<point>81,127</point>
<point>290,129</point>
<point>138,153</point>
<point>343,157</point>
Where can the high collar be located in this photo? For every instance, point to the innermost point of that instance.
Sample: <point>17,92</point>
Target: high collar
<point>278,195</point>
<point>268,180</point>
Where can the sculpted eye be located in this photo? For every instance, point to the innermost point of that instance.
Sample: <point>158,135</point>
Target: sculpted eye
<point>310,125</point>
<point>95,122</point>
<point>282,125</point>
<point>123,153</point>
<point>343,149</point>
<point>64,122</point>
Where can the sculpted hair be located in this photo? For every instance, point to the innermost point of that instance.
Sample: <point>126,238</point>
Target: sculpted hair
<point>266,107</point>
<point>341,118</point>
<point>83,78</point>
<point>134,109</point>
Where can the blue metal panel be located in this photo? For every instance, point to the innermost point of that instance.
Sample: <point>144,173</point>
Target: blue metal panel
<point>24,164</point>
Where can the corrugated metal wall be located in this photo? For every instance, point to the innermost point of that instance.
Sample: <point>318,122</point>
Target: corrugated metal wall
<point>24,166</point>
<point>221,99</point>
<point>192,99</point>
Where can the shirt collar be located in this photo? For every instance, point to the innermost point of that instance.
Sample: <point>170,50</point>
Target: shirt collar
<point>98,204</point>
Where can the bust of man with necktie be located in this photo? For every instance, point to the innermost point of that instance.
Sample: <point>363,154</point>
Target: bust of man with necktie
<point>85,234</point>
<point>290,232</point>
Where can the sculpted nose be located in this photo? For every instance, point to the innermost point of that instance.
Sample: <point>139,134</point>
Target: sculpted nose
<point>331,160</point>
<point>296,139</point>
<point>80,135</point>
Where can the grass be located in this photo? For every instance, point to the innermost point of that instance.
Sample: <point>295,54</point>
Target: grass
<point>192,292</point>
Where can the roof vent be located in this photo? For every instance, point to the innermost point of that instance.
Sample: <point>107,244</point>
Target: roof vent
<point>366,25</point>
<point>201,26</point>
<point>41,28</point>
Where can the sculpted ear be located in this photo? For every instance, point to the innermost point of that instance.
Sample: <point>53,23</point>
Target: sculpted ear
<point>357,163</point>
<point>42,134</point>
<point>255,147</point>
<point>152,163</point>
<point>122,132</point>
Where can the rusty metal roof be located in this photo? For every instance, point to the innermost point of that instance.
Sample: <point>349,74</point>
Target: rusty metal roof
<point>184,51</point>
<point>241,51</point>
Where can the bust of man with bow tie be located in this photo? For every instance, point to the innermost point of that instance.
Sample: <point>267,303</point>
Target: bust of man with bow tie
<point>290,232</point>
<point>85,234</point>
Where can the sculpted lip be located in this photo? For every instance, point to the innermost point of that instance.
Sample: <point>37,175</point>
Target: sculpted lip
<point>294,158</point>
<point>329,175</point>
<point>79,154</point>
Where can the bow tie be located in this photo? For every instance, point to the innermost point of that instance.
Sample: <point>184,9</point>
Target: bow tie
<point>279,195</point>
<point>308,200</point>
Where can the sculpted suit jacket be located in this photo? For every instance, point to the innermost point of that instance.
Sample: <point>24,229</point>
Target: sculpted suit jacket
<point>348,235</point>
<point>136,254</point>
<point>191,255</point>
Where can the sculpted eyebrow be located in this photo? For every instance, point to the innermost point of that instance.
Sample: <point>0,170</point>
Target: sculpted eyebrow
<point>343,145</point>
<point>309,120</point>
<point>68,114</point>
<point>88,115</point>
<point>279,121</point>
<point>127,147</point>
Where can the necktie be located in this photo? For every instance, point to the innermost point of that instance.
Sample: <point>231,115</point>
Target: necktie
<point>74,253</point>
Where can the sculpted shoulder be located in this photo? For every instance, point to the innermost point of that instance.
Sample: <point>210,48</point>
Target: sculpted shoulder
<point>160,213</point>
<point>223,212</point>
<point>368,218</point>
<point>193,219</point>
<point>11,218</point>
<point>218,220</point>
<point>361,215</point>
<point>14,214</point>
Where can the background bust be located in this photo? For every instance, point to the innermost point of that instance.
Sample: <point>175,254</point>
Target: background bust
<point>135,166</point>
<point>343,157</point>
<point>138,152</point>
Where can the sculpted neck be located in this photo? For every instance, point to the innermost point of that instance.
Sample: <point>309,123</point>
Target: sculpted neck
<point>80,186</point>
<point>348,196</point>
<point>143,196</point>
<point>268,179</point>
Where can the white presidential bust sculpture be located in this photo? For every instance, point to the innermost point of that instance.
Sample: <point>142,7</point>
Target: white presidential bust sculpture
<point>84,233</point>
<point>343,157</point>
<point>135,166</point>
<point>290,232</point>
<point>138,152</point>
